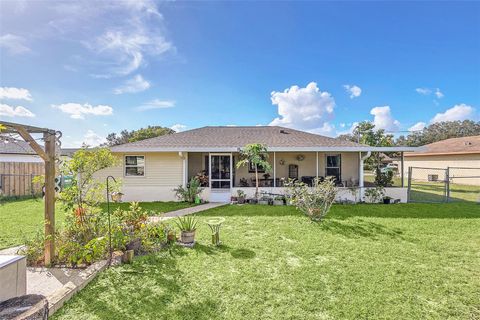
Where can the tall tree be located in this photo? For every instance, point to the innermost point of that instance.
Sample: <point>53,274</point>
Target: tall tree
<point>440,131</point>
<point>257,155</point>
<point>126,136</point>
<point>365,133</point>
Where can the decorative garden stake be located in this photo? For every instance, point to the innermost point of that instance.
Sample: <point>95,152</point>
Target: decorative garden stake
<point>214,225</point>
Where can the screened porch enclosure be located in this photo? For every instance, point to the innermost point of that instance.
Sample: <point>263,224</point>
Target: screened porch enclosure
<point>219,170</point>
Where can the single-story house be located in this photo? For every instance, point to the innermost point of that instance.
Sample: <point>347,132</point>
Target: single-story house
<point>150,169</point>
<point>461,155</point>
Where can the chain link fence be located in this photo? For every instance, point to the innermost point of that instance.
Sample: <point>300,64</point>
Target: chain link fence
<point>438,185</point>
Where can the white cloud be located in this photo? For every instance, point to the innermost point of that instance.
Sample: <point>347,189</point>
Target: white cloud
<point>418,126</point>
<point>156,104</point>
<point>9,111</point>
<point>382,119</point>
<point>15,93</point>
<point>428,91</point>
<point>424,91</point>
<point>78,111</point>
<point>457,112</point>
<point>93,139</point>
<point>134,85</point>
<point>353,90</point>
<point>349,130</point>
<point>439,94</point>
<point>304,108</point>
<point>178,127</point>
<point>14,44</point>
<point>141,34</point>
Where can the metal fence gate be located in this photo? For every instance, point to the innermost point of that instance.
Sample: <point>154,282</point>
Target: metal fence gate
<point>443,185</point>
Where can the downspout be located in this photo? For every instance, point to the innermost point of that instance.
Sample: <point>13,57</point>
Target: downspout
<point>361,173</point>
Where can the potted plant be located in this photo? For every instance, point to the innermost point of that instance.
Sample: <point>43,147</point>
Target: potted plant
<point>278,201</point>
<point>240,196</point>
<point>187,226</point>
<point>387,200</point>
<point>264,201</point>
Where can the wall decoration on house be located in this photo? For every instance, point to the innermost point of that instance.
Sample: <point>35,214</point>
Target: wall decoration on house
<point>281,162</point>
<point>300,157</point>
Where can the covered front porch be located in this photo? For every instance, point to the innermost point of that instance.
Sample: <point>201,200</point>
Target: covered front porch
<point>221,178</point>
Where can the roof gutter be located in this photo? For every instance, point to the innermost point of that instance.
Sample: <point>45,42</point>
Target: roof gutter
<point>272,149</point>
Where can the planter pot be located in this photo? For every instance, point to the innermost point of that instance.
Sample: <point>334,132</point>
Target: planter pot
<point>233,199</point>
<point>241,200</point>
<point>128,256</point>
<point>187,236</point>
<point>263,202</point>
<point>171,237</point>
<point>278,202</point>
<point>386,200</point>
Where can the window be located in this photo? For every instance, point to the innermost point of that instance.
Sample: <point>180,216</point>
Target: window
<point>134,166</point>
<point>333,165</point>
<point>433,177</point>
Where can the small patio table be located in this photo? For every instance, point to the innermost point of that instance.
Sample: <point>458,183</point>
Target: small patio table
<point>214,225</point>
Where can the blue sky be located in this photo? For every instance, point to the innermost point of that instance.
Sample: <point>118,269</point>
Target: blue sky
<point>89,68</point>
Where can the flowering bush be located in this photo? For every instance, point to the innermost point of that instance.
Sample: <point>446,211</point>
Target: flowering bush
<point>314,201</point>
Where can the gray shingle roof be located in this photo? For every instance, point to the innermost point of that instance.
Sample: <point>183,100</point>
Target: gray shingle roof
<point>451,146</point>
<point>236,137</point>
<point>15,146</point>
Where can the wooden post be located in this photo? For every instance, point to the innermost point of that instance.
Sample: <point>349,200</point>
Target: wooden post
<point>49,138</point>
<point>402,174</point>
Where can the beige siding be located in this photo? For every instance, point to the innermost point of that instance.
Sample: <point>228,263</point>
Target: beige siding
<point>163,172</point>
<point>444,161</point>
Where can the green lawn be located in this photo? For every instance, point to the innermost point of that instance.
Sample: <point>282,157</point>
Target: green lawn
<point>21,219</point>
<point>423,191</point>
<point>405,261</point>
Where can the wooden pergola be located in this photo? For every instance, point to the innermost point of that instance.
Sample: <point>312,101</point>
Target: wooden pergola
<point>48,155</point>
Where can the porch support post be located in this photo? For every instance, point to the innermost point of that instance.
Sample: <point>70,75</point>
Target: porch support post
<point>274,170</point>
<point>316,166</point>
<point>231,170</point>
<point>210,170</point>
<point>403,173</point>
<point>360,175</point>
<point>184,156</point>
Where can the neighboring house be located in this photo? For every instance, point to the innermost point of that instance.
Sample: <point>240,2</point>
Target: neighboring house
<point>461,155</point>
<point>152,168</point>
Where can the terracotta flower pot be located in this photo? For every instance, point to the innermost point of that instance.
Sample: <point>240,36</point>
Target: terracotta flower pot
<point>187,236</point>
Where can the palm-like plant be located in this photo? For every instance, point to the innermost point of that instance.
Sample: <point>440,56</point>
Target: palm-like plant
<point>257,155</point>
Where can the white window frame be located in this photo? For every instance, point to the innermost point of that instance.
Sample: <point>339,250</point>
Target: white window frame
<point>125,166</point>
<point>339,165</point>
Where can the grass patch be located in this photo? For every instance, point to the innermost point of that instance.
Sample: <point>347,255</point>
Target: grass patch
<point>21,219</point>
<point>153,208</point>
<point>408,261</point>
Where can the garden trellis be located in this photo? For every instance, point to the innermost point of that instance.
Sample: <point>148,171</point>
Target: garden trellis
<point>48,153</point>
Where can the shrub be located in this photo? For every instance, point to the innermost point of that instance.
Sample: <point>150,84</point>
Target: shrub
<point>374,195</point>
<point>189,193</point>
<point>383,179</point>
<point>314,201</point>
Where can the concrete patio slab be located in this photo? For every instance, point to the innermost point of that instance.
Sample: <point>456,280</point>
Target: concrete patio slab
<point>185,211</point>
